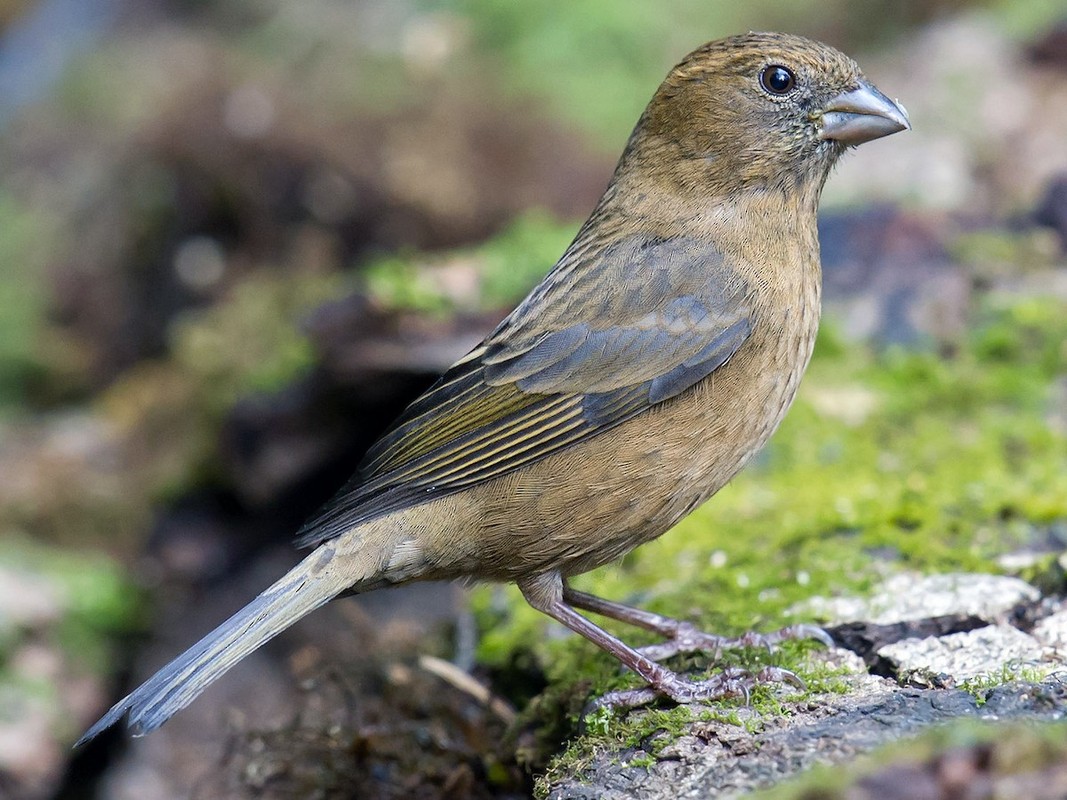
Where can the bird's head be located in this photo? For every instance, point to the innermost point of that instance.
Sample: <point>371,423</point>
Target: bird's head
<point>763,110</point>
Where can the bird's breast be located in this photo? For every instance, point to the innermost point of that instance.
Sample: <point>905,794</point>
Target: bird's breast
<point>590,504</point>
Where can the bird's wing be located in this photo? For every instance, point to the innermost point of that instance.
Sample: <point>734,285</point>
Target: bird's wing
<point>608,334</point>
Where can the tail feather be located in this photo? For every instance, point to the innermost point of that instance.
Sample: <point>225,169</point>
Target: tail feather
<point>308,586</point>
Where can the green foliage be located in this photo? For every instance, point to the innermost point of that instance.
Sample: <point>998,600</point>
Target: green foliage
<point>401,282</point>
<point>997,253</point>
<point>170,410</point>
<point>71,609</point>
<point>93,600</point>
<point>251,343</point>
<point>491,275</point>
<point>1028,17</point>
<point>520,255</point>
<point>598,61</point>
<point>22,294</point>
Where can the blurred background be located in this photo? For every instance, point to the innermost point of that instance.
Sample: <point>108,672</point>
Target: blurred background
<point>237,236</point>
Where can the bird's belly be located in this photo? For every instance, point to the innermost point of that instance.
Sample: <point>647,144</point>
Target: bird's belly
<point>588,506</point>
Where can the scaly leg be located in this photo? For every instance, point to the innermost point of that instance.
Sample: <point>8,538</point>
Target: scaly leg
<point>546,593</point>
<point>683,637</point>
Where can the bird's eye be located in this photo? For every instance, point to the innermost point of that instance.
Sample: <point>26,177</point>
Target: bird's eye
<point>777,79</point>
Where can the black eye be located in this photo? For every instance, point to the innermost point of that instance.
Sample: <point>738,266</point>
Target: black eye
<point>777,79</point>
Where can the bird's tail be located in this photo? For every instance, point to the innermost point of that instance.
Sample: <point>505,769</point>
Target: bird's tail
<point>316,580</point>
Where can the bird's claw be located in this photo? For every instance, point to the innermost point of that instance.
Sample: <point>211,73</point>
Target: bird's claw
<point>733,682</point>
<point>779,675</point>
<point>804,631</point>
<point>688,639</point>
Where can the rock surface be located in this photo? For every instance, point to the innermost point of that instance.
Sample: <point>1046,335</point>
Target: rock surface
<point>924,635</point>
<point>720,760</point>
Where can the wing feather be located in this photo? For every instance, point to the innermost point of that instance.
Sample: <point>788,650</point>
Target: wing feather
<point>566,365</point>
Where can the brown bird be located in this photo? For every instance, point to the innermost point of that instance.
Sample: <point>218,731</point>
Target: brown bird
<point>631,384</point>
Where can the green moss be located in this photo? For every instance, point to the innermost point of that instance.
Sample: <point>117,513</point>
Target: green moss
<point>93,602</point>
<point>79,605</point>
<point>643,760</point>
<point>642,735</point>
<point>993,253</point>
<point>1026,19</point>
<point>248,344</point>
<point>598,61</point>
<point>1011,672</point>
<point>722,715</point>
<point>519,256</point>
<point>252,342</point>
<point>22,294</point>
<point>401,282</point>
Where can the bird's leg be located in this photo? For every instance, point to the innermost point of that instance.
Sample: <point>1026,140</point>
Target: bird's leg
<point>545,592</point>
<point>684,637</point>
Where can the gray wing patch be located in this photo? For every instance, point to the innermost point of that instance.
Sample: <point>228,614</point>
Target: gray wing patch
<point>693,370</point>
<point>668,346</point>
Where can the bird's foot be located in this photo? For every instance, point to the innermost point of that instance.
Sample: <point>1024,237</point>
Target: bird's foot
<point>733,682</point>
<point>685,638</point>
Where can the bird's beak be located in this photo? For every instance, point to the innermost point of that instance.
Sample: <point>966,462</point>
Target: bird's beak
<point>862,114</point>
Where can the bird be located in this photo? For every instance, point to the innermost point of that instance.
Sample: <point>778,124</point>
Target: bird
<point>648,366</point>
